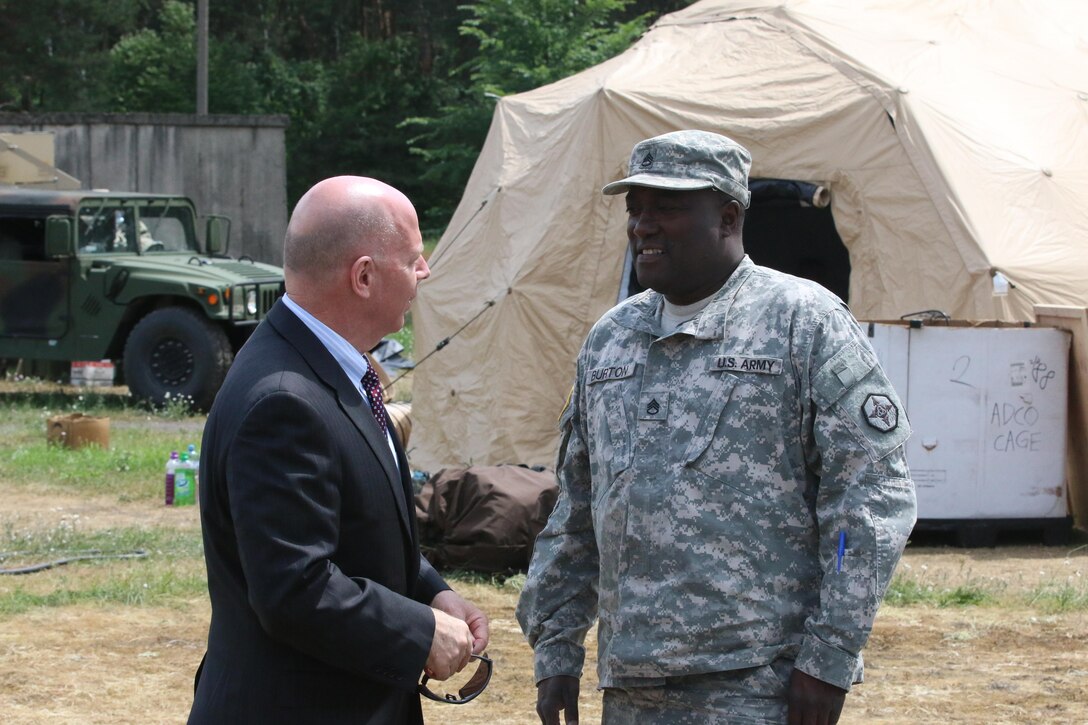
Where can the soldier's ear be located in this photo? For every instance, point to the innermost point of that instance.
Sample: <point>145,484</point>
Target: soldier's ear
<point>731,214</point>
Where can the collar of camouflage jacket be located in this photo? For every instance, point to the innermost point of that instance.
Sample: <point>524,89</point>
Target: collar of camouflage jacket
<point>642,313</point>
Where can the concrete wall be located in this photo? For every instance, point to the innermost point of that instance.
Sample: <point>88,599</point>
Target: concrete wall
<point>230,165</point>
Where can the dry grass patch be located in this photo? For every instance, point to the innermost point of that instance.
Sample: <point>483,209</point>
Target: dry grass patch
<point>132,664</point>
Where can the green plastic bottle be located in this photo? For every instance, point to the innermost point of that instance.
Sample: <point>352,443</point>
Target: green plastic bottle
<point>184,482</point>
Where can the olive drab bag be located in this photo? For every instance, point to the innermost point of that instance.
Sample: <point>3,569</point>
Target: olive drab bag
<point>484,518</point>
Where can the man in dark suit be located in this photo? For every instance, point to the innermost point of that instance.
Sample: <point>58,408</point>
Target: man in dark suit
<point>323,609</point>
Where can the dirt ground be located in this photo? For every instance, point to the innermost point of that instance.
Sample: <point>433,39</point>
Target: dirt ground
<point>975,664</point>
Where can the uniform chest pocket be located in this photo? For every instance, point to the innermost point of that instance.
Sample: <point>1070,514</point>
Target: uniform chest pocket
<point>714,410</point>
<point>610,430</point>
<point>740,443</point>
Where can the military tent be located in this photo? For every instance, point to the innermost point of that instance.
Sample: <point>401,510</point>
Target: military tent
<point>952,136</point>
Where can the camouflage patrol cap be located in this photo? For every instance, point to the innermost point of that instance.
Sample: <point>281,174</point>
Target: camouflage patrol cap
<point>686,161</point>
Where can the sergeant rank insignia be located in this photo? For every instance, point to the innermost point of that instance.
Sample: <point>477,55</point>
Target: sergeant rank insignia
<point>654,405</point>
<point>880,412</point>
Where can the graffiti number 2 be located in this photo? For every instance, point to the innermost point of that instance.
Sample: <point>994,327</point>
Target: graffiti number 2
<point>959,369</point>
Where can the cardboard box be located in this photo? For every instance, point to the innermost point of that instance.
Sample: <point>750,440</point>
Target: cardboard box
<point>92,374</point>
<point>76,430</point>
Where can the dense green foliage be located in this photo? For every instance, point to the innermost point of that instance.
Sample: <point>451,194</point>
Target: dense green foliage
<point>53,53</point>
<point>523,44</point>
<point>403,91</point>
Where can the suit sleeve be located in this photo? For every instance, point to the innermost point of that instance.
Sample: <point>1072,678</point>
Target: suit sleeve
<point>855,430</point>
<point>430,583</point>
<point>285,501</point>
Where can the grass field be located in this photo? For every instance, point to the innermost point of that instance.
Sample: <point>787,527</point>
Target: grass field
<point>967,635</point>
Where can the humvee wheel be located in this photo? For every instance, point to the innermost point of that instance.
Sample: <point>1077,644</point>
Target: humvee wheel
<point>175,353</point>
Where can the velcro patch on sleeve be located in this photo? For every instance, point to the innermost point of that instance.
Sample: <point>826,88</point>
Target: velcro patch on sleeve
<point>842,372</point>
<point>853,389</point>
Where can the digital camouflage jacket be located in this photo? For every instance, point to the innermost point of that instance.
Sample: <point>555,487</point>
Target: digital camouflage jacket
<point>707,479</point>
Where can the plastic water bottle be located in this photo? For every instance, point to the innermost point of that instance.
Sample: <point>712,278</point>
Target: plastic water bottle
<point>171,468</point>
<point>184,482</point>
<point>194,461</point>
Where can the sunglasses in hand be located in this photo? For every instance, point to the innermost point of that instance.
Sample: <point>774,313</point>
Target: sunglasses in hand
<point>466,692</point>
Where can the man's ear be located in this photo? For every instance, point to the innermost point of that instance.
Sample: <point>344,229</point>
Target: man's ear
<point>732,213</point>
<point>362,276</point>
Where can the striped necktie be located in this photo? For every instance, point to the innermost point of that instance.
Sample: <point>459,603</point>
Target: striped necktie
<point>373,388</point>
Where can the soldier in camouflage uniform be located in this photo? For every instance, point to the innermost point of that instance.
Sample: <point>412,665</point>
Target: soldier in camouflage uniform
<point>734,495</point>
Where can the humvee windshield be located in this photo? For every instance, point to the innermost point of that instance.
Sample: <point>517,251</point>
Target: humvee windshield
<point>147,227</point>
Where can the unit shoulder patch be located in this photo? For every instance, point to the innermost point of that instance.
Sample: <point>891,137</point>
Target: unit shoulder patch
<point>880,412</point>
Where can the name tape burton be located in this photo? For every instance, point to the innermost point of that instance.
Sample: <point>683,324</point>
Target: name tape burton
<point>612,372</point>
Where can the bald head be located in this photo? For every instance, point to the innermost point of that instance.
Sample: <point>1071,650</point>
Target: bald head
<point>353,257</point>
<point>340,219</point>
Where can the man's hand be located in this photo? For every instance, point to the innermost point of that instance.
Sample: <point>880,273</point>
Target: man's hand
<point>456,606</point>
<point>450,648</point>
<point>554,694</point>
<point>813,701</point>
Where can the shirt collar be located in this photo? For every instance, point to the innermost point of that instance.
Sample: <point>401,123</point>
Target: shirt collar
<point>353,362</point>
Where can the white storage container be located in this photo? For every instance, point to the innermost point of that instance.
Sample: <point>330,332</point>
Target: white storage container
<point>988,408</point>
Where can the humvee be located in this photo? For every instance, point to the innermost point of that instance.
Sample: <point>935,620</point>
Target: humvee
<point>93,275</point>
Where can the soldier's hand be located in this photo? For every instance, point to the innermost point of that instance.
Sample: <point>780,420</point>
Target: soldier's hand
<point>554,694</point>
<point>450,647</point>
<point>813,701</point>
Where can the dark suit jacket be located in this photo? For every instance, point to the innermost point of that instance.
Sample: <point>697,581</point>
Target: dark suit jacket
<point>319,593</point>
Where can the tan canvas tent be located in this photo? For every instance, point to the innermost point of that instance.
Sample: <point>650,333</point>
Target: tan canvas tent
<point>953,137</point>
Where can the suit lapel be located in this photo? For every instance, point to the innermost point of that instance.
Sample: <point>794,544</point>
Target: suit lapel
<point>406,484</point>
<point>359,413</point>
<point>287,324</point>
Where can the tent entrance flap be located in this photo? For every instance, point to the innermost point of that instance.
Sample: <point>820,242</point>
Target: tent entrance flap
<point>788,227</point>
